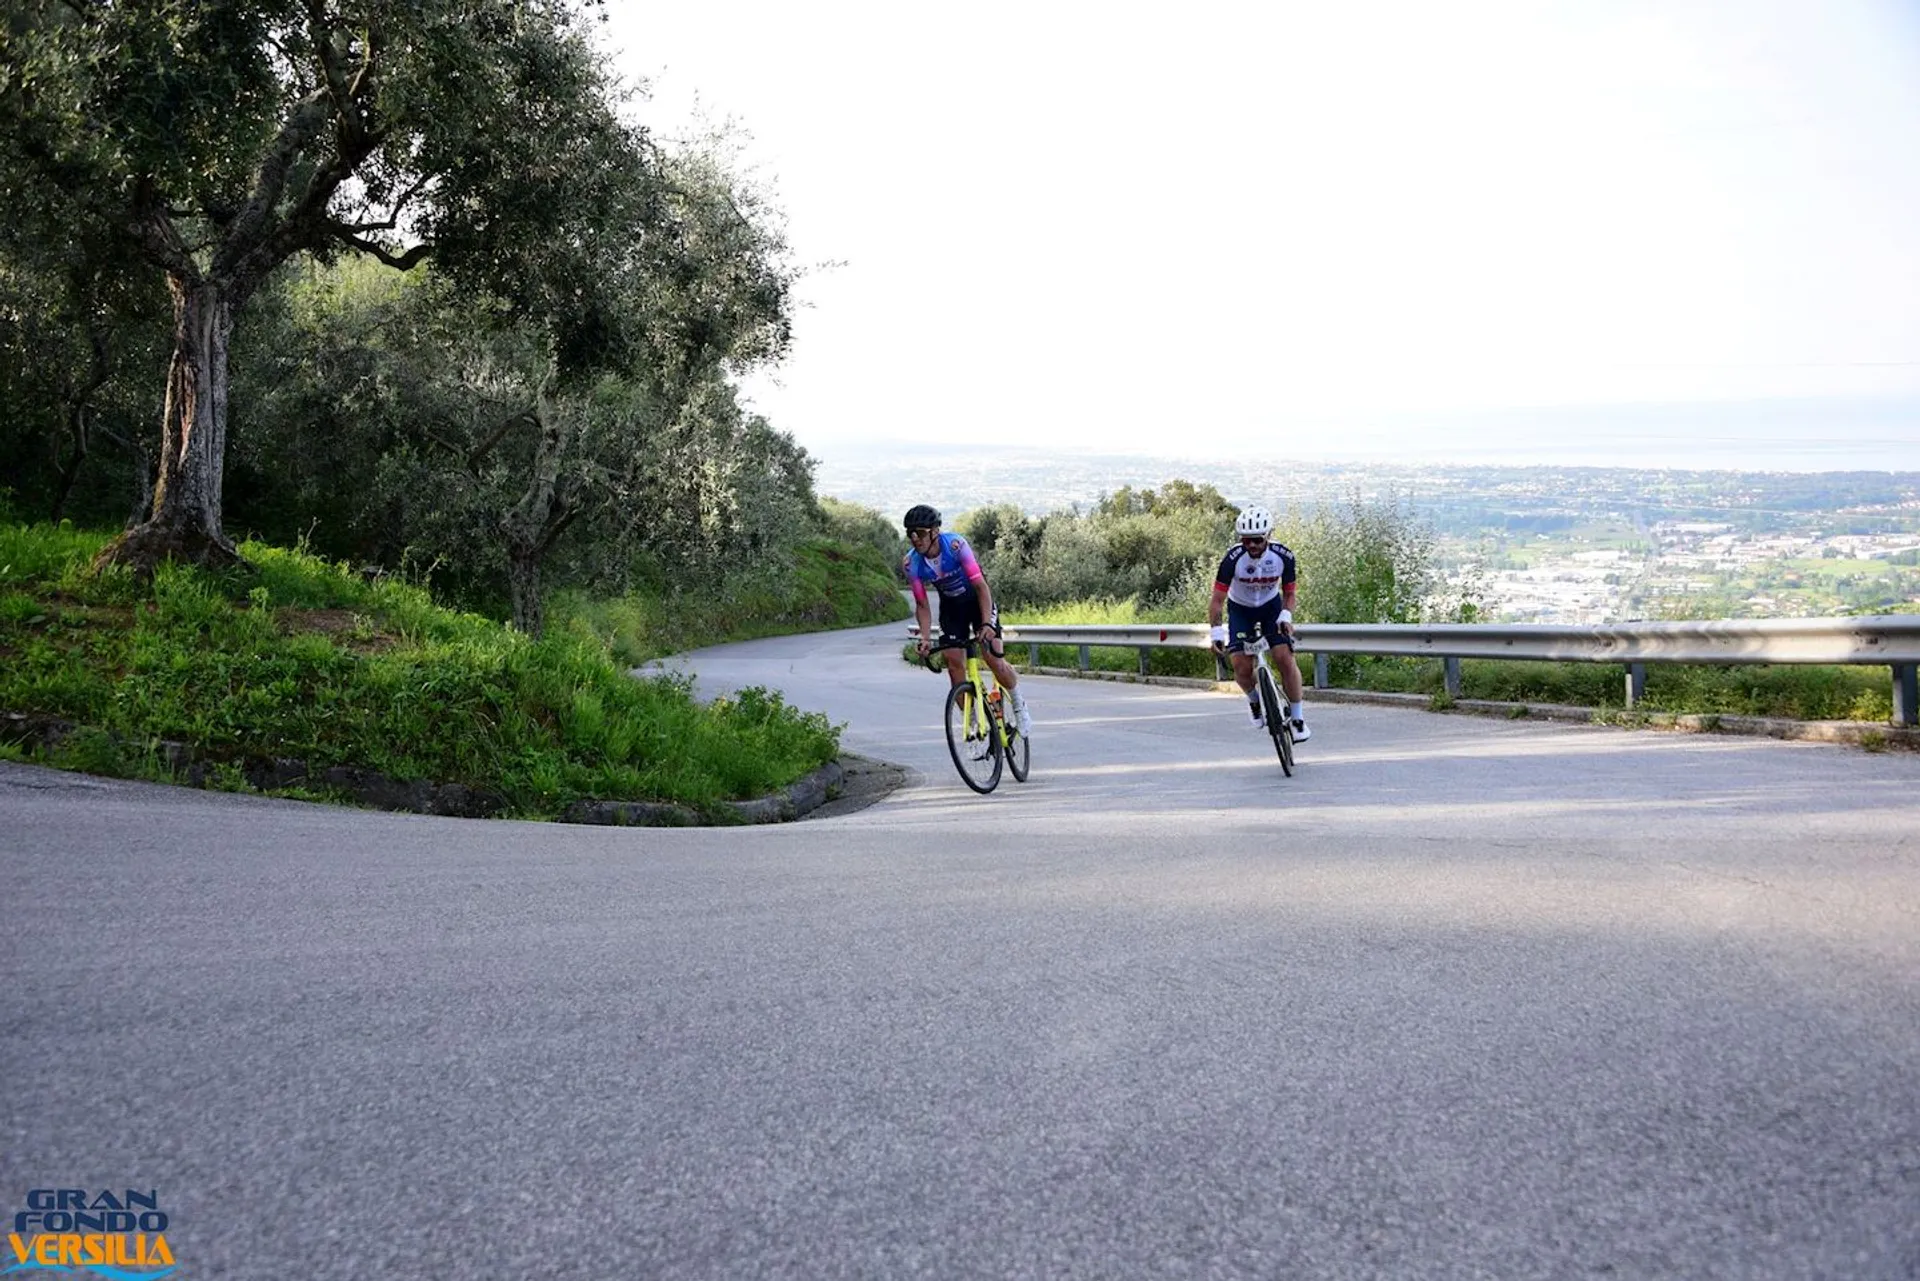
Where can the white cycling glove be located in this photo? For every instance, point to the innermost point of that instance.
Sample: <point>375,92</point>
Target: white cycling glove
<point>1219,633</point>
<point>1286,617</point>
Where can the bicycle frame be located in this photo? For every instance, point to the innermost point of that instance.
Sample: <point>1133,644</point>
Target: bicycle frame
<point>986,690</point>
<point>980,676</point>
<point>1271,692</point>
<point>982,718</point>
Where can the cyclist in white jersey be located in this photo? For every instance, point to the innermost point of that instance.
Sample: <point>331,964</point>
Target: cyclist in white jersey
<point>1255,587</point>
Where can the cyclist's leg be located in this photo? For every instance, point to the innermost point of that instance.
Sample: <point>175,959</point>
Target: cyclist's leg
<point>956,620</point>
<point>1243,626</point>
<point>1240,625</point>
<point>993,649</point>
<point>1280,655</point>
<point>1289,670</point>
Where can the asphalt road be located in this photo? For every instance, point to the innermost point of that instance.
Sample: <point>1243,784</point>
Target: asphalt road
<point>1463,998</point>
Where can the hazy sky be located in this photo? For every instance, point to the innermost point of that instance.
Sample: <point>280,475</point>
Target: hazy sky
<point>1325,229</point>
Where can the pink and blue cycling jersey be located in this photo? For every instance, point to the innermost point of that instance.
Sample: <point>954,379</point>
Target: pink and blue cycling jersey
<point>955,573</point>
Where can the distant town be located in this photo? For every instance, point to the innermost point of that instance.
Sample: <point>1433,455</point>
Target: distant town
<point>1531,544</point>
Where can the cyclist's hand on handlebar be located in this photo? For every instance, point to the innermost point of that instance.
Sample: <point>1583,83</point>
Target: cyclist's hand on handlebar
<point>1218,635</point>
<point>924,645</point>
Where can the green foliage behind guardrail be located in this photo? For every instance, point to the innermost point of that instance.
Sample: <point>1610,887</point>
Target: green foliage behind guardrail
<point>1798,692</point>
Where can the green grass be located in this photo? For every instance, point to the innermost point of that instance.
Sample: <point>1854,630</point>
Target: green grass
<point>826,584</point>
<point>1833,567</point>
<point>299,658</point>
<point>1786,691</point>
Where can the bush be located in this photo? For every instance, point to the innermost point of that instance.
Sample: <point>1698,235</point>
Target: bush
<point>1361,559</point>
<point>306,660</point>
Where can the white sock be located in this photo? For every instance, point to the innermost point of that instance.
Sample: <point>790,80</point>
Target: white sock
<point>1293,712</point>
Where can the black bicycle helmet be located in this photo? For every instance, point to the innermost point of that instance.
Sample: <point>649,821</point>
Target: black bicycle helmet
<point>922,517</point>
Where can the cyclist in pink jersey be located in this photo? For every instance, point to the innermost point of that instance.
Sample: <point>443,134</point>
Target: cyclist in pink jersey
<point>966,604</point>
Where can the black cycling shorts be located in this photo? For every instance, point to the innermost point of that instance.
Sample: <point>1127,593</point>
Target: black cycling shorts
<point>960,619</point>
<point>1244,622</point>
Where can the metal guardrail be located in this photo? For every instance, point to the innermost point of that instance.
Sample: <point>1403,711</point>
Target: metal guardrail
<point>1891,640</point>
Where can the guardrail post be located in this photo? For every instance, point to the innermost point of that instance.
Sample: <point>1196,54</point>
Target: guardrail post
<point>1906,694</point>
<point>1452,677</point>
<point>1636,682</point>
<point>1086,657</point>
<point>1144,651</point>
<point>1322,671</point>
<point>1033,655</point>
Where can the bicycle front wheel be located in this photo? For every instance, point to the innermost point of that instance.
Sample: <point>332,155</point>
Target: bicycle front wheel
<point>1276,713</point>
<point>971,739</point>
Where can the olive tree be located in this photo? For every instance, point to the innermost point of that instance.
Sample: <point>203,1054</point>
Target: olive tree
<point>217,141</point>
<point>78,332</point>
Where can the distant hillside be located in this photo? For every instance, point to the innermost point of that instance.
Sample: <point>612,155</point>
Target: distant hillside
<point>1458,499</point>
<point>1544,543</point>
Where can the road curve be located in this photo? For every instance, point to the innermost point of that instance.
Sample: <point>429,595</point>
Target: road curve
<point>1463,998</point>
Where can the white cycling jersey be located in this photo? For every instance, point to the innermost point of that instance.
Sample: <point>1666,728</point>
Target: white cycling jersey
<point>1255,580</point>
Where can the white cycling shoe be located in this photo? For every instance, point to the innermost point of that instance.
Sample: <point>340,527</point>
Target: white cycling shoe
<point>1254,717</point>
<point>1300,731</point>
<point>1024,719</point>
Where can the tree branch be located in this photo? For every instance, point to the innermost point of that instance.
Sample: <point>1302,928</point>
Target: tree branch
<point>480,451</point>
<point>556,527</point>
<point>406,261</point>
<point>152,228</point>
<point>246,233</point>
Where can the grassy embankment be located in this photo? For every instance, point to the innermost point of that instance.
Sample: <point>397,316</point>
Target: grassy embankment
<point>1792,692</point>
<point>302,659</point>
<point>826,585</point>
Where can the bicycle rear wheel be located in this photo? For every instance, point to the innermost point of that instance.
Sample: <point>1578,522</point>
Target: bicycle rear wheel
<point>971,741</point>
<point>1275,711</point>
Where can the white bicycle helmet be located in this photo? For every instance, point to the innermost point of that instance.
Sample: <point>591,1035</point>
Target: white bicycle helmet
<point>1254,522</point>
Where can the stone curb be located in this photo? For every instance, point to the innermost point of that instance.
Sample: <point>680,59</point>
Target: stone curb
<point>419,796</point>
<point>1866,734</point>
<point>793,801</point>
<point>191,768</point>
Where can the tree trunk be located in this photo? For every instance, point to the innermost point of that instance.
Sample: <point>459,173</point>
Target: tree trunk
<point>79,403</point>
<point>523,581</point>
<point>77,424</point>
<point>540,515</point>
<point>184,520</point>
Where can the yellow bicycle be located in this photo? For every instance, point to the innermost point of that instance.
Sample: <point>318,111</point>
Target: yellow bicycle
<point>981,736</point>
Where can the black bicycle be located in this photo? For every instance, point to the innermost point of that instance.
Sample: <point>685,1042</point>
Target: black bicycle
<point>1272,706</point>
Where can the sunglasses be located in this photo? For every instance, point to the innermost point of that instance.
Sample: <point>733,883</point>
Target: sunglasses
<point>923,533</point>
<point>1253,542</point>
